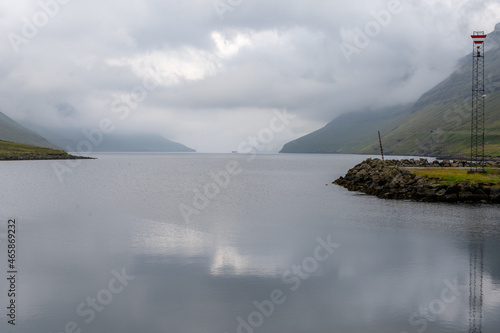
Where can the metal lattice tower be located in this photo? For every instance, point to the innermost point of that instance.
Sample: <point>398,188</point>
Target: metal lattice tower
<point>476,269</point>
<point>477,119</point>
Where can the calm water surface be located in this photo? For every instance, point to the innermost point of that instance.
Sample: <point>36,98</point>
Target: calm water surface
<point>272,247</point>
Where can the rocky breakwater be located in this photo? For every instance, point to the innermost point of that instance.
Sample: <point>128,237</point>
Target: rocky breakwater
<point>392,180</point>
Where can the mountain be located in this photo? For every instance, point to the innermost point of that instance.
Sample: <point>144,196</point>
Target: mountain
<point>13,132</point>
<point>349,133</point>
<point>56,138</point>
<point>437,124</point>
<point>68,139</point>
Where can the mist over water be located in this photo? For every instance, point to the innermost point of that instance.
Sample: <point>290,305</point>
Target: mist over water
<point>275,248</point>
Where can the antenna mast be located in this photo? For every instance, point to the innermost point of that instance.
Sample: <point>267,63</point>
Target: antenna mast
<point>477,119</point>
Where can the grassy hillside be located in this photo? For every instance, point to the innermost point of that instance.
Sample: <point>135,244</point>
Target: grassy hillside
<point>13,132</point>
<point>348,133</point>
<point>438,129</point>
<point>14,151</point>
<point>438,124</point>
<point>442,130</point>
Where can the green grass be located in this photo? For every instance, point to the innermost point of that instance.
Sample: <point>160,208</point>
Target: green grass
<point>449,176</point>
<point>492,150</point>
<point>19,150</point>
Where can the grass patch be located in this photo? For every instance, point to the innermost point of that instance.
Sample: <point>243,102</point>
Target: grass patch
<point>492,150</point>
<point>449,176</point>
<point>19,150</point>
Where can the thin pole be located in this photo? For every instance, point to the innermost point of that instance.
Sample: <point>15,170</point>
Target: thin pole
<point>381,149</point>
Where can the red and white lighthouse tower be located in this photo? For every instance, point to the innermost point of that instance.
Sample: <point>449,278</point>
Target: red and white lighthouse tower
<point>477,119</point>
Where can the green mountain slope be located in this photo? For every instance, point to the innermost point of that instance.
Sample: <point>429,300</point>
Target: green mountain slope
<point>348,133</point>
<point>20,151</point>
<point>442,129</point>
<point>14,132</point>
<point>438,124</point>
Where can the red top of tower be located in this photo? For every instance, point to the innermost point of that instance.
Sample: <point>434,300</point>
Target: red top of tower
<point>478,37</point>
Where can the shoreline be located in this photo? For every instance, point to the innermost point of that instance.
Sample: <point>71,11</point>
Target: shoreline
<point>393,179</point>
<point>13,151</point>
<point>495,159</point>
<point>42,158</point>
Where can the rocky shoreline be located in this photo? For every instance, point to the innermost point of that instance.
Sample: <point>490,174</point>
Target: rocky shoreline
<point>391,180</point>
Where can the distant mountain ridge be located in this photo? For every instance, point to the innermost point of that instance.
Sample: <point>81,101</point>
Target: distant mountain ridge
<point>69,139</point>
<point>31,134</point>
<point>437,124</point>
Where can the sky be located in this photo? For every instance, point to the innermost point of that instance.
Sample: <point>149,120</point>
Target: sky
<point>213,73</point>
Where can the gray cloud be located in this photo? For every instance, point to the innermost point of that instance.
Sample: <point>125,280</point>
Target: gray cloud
<point>66,110</point>
<point>263,55</point>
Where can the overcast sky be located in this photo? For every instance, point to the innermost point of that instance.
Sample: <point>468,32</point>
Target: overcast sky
<point>211,73</point>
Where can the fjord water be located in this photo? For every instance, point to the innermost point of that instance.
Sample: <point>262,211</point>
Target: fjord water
<point>275,248</point>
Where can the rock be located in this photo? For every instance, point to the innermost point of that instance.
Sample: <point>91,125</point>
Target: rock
<point>480,195</point>
<point>495,193</point>
<point>441,192</point>
<point>451,198</point>
<point>466,196</point>
<point>390,180</point>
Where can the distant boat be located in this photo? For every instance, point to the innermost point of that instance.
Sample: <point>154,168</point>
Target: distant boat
<point>234,152</point>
